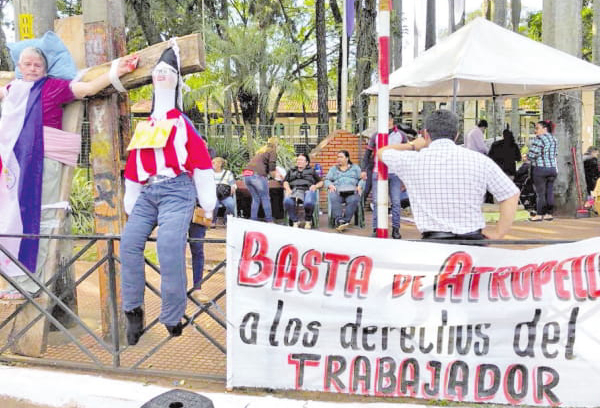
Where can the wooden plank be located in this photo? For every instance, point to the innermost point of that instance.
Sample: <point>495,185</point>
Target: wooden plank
<point>192,53</point>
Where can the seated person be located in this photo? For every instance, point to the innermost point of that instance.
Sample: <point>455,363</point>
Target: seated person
<point>524,183</point>
<point>344,185</point>
<point>225,179</point>
<point>301,184</point>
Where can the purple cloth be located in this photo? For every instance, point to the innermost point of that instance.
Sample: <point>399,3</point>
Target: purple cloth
<point>29,151</point>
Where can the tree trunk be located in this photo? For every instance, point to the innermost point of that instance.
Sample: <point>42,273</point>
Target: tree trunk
<point>141,9</point>
<point>515,119</point>
<point>596,60</point>
<point>396,50</point>
<point>322,85</point>
<point>496,124</point>
<point>563,30</point>
<point>227,97</point>
<point>248,101</point>
<point>430,37</point>
<point>337,16</point>
<point>44,14</point>
<point>452,27</point>
<point>366,56</point>
<point>5,60</point>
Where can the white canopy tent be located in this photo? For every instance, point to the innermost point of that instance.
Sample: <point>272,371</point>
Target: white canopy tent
<point>483,60</point>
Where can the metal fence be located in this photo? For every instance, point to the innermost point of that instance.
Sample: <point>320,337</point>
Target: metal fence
<point>49,330</point>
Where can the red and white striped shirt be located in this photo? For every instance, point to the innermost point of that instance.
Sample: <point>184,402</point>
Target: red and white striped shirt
<point>184,151</point>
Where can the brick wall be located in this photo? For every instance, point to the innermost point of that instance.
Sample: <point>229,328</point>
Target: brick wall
<point>326,152</point>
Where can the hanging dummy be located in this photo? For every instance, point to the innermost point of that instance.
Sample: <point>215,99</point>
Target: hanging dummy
<point>167,169</point>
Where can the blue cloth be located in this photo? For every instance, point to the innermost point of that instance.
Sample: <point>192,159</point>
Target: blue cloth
<point>60,62</point>
<point>396,196</point>
<point>197,250</point>
<point>338,212</point>
<point>170,206</point>
<point>29,151</point>
<point>310,198</point>
<point>229,204</point>
<point>258,186</point>
<point>337,177</point>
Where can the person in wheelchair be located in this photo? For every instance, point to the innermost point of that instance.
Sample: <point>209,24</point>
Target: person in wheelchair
<point>300,186</point>
<point>344,185</point>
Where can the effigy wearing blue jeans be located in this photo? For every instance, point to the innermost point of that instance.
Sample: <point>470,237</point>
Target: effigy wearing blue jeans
<point>310,199</point>
<point>170,206</point>
<point>258,186</point>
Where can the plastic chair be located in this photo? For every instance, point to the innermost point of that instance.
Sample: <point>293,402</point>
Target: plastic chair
<point>315,214</point>
<point>359,215</point>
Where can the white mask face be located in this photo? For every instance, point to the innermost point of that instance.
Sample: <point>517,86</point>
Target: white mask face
<point>164,76</point>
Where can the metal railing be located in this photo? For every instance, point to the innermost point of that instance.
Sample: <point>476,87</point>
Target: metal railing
<point>82,344</point>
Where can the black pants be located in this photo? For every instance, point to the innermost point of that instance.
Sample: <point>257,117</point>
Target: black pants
<point>543,183</point>
<point>442,235</point>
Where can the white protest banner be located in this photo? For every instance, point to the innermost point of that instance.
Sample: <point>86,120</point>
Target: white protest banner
<point>337,313</point>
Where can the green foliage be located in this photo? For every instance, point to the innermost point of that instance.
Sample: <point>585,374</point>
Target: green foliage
<point>587,18</point>
<point>82,203</point>
<point>533,29</point>
<point>67,8</point>
<point>235,151</point>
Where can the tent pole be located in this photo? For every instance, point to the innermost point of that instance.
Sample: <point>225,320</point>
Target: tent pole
<point>454,91</point>
<point>493,121</point>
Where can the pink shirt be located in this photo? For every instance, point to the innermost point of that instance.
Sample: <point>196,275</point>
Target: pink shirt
<point>55,93</point>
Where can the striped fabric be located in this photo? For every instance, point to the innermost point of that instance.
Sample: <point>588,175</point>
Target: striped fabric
<point>21,152</point>
<point>172,160</point>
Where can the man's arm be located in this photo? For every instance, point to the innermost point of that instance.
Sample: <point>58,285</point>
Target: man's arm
<point>508,209</point>
<point>416,144</point>
<point>83,89</point>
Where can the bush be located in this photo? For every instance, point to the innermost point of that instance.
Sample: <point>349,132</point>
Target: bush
<point>82,203</point>
<point>235,151</point>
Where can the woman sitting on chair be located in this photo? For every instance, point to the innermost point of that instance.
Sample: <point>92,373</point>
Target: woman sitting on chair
<point>226,187</point>
<point>343,184</point>
<point>300,185</point>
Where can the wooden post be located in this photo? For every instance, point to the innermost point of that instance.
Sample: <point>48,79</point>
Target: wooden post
<point>104,32</point>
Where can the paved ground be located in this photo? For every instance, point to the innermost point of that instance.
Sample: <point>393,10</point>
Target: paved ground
<point>192,354</point>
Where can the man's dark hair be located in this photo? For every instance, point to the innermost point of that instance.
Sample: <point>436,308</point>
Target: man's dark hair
<point>482,123</point>
<point>442,124</point>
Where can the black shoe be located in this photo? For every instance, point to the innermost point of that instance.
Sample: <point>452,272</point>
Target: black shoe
<point>374,233</point>
<point>176,330</point>
<point>135,325</point>
<point>396,233</point>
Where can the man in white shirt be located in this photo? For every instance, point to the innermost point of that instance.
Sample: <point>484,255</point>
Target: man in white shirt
<point>474,139</point>
<point>447,183</point>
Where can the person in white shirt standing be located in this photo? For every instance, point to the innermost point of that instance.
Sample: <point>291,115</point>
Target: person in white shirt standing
<point>474,139</point>
<point>447,183</point>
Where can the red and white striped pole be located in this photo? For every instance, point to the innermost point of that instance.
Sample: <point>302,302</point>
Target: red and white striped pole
<point>383,106</point>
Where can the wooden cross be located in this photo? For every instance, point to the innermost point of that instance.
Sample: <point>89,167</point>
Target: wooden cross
<point>33,343</point>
